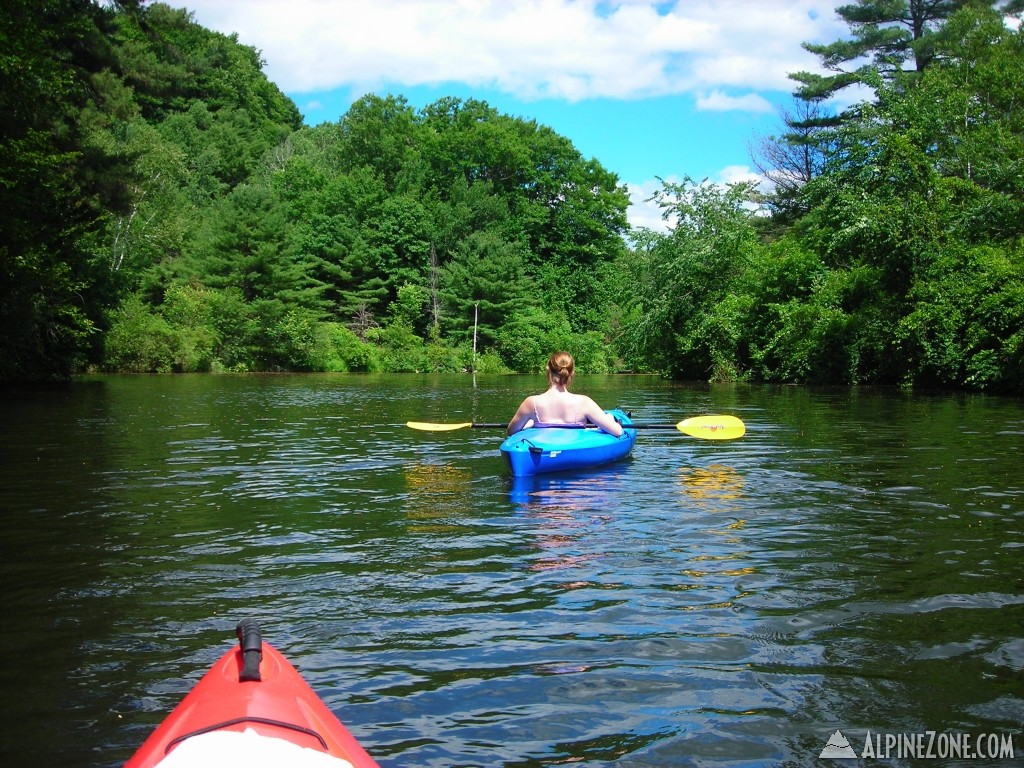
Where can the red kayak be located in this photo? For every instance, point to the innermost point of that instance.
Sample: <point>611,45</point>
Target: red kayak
<point>254,709</point>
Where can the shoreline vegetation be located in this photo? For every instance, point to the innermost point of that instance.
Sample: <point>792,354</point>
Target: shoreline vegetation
<point>165,209</point>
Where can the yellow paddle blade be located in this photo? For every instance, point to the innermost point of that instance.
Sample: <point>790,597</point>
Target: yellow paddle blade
<point>426,426</point>
<point>713,427</point>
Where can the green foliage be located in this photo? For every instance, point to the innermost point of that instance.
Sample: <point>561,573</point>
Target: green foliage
<point>483,286</point>
<point>967,323</point>
<point>809,343</point>
<point>917,224</point>
<point>57,178</point>
<point>906,267</point>
<point>188,171</point>
<point>164,209</point>
<point>891,34</point>
<point>680,278</point>
<point>402,351</point>
<point>95,193</point>
<point>491,362</point>
<point>338,350</point>
<point>526,342</point>
<point>189,311</point>
<point>140,341</point>
<point>407,308</point>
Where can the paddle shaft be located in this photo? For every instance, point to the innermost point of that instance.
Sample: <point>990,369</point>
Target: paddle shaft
<point>503,425</point>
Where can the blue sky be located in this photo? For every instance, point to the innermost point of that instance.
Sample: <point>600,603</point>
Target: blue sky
<point>666,89</point>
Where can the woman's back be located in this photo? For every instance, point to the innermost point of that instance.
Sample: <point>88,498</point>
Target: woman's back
<point>559,407</point>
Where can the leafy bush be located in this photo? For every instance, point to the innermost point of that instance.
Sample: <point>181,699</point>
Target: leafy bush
<point>139,341</point>
<point>339,350</point>
<point>193,350</point>
<point>401,350</point>
<point>491,362</point>
<point>442,358</point>
<point>294,339</point>
<point>526,341</point>
<point>187,309</point>
<point>237,330</point>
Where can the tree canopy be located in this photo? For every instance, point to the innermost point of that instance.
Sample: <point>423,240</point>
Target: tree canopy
<point>164,208</point>
<point>902,258</point>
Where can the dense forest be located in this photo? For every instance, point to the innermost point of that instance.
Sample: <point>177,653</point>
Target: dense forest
<point>165,209</point>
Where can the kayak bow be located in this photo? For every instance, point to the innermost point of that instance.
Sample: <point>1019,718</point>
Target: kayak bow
<point>252,708</point>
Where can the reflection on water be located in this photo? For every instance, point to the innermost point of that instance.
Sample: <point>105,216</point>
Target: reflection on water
<point>585,489</point>
<point>852,563</point>
<point>714,488</point>
<point>431,487</point>
<point>564,508</point>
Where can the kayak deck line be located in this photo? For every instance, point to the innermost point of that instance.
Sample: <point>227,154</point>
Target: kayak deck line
<point>247,719</point>
<point>250,749</point>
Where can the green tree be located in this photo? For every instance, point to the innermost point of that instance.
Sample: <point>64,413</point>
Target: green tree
<point>56,182</point>
<point>918,182</point>
<point>149,165</point>
<point>334,230</point>
<point>532,185</point>
<point>484,287</point>
<point>971,112</point>
<point>381,133</point>
<point>680,277</point>
<point>891,34</point>
<point>891,42</point>
<point>139,339</point>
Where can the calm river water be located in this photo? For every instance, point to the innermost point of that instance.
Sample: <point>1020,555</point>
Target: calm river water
<point>853,564</point>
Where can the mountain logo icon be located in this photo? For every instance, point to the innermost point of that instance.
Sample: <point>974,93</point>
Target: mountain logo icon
<point>837,748</point>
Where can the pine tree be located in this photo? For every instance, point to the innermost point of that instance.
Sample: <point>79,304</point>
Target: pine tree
<point>890,34</point>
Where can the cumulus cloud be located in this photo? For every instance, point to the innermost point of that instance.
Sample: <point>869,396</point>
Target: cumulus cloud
<point>718,101</point>
<point>644,212</point>
<point>735,174</point>
<point>565,49</point>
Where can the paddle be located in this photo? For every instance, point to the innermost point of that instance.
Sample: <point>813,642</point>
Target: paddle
<point>704,427</point>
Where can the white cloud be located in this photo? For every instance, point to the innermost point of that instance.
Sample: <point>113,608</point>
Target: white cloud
<point>568,49</point>
<point>717,101</point>
<point>735,174</point>
<point>644,212</point>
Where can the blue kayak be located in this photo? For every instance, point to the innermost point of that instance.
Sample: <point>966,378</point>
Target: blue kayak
<point>558,449</point>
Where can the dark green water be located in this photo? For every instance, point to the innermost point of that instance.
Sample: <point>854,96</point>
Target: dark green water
<point>854,563</point>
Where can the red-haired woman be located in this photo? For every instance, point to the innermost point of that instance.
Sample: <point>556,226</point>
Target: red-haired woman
<point>558,407</point>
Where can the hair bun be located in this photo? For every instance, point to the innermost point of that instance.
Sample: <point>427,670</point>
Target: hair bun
<point>561,367</point>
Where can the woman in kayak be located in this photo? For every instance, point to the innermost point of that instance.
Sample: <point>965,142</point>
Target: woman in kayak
<point>558,407</point>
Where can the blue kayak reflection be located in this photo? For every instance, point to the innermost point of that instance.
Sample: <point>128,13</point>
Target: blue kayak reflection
<point>582,489</point>
<point>570,515</point>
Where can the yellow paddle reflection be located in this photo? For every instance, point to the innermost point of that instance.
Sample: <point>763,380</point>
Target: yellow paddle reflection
<point>435,494</point>
<point>714,488</point>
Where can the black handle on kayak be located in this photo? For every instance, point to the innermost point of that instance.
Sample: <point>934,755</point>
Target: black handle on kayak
<point>251,641</point>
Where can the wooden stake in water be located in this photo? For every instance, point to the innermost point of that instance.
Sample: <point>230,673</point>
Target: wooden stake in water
<point>476,317</point>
